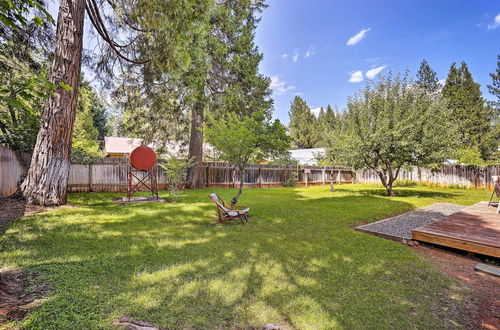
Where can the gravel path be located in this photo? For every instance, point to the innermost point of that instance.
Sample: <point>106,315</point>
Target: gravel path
<point>401,226</point>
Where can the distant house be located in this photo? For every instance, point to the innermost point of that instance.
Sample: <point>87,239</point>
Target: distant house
<point>306,156</point>
<point>121,147</point>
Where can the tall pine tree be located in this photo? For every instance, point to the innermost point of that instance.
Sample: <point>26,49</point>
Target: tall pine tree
<point>468,110</point>
<point>427,78</point>
<point>302,124</point>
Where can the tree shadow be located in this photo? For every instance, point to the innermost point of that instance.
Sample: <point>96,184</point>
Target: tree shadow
<point>297,264</point>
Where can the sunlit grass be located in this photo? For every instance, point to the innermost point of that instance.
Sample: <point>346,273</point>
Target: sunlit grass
<point>298,263</point>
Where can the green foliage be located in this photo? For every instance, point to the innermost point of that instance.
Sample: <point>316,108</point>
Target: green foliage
<point>242,139</point>
<point>85,146</point>
<point>175,170</point>
<point>390,125</point>
<point>23,77</point>
<point>470,156</point>
<point>303,125</point>
<point>468,111</point>
<point>292,180</point>
<point>404,183</point>
<point>457,186</point>
<point>16,13</point>
<point>103,260</point>
<point>427,78</point>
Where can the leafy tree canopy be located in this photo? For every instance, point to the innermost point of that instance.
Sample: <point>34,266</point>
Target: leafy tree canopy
<point>391,124</point>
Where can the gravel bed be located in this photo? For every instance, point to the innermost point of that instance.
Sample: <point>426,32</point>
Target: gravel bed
<point>401,226</point>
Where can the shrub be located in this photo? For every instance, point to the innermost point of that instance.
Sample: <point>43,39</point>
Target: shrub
<point>457,186</point>
<point>175,171</point>
<point>292,180</point>
<point>405,183</point>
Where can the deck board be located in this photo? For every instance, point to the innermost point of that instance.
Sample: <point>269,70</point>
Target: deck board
<point>475,229</point>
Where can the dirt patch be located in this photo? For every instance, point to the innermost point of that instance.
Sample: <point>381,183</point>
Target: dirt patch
<point>486,288</point>
<point>19,292</point>
<point>13,209</point>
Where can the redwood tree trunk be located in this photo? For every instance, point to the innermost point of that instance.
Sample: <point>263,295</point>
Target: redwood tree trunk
<point>195,172</point>
<point>47,179</point>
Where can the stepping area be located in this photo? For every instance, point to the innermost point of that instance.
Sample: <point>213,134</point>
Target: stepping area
<point>400,227</point>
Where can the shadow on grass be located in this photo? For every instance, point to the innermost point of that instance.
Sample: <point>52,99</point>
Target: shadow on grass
<point>405,192</point>
<point>298,263</point>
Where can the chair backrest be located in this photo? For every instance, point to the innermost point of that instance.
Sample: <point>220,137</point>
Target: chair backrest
<point>213,196</point>
<point>496,185</point>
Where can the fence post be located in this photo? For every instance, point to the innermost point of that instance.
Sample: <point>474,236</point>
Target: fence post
<point>207,174</point>
<point>260,176</point>
<point>90,178</point>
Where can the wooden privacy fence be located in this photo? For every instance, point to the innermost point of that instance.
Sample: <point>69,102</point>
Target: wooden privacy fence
<point>449,175</point>
<point>111,175</point>
<point>13,165</point>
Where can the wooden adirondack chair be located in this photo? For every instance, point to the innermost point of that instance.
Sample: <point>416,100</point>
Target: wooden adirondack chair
<point>226,212</point>
<point>496,191</point>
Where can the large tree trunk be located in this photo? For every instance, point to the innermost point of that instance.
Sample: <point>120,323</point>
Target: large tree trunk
<point>386,181</point>
<point>234,201</point>
<point>195,172</point>
<point>47,179</point>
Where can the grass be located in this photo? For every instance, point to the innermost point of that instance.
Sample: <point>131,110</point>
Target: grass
<point>299,263</point>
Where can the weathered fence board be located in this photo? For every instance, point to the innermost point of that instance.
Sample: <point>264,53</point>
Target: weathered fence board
<point>466,176</point>
<point>13,165</point>
<point>111,175</point>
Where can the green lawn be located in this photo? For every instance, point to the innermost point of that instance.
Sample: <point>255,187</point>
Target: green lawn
<point>298,263</point>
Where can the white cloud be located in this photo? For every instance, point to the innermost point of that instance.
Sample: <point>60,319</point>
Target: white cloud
<point>356,77</point>
<point>496,23</point>
<point>284,56</point>
<point>315,111</point>
<point>295,56</point>
<point>358,37</point>
<point>372,73</point>
<point>310,52</point>
<point>279,86</point>
<point>442,82</point>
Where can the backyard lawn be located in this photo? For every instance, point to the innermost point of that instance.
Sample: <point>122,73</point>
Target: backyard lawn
<point>299,263</point>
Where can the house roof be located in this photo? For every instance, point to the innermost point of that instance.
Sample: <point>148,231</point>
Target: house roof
<point>125,145</point>
<point>306,156</point>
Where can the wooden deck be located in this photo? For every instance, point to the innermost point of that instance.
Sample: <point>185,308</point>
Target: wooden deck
<point>475,228</point>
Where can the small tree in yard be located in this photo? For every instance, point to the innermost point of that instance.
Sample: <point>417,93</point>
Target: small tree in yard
<point>175,171</point>
<point>241,139</point>
<point>391,124</point>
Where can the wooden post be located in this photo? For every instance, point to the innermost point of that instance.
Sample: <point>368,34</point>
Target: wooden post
<point>90,178</point>
<point>260,176</point>
<point>306,177</point>
<point>332,188</point>
<point>324,176</point>
<point>207,176</point>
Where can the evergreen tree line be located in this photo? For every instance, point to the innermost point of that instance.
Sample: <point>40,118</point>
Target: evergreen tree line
<point>475,120</point>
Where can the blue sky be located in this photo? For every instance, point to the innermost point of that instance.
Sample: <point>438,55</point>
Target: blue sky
<point>306,51</point>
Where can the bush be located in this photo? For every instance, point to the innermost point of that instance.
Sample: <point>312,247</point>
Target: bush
<point>405,183</point>
<point>457,186</point>
<point>175,171</point>
<point>292,180</point>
